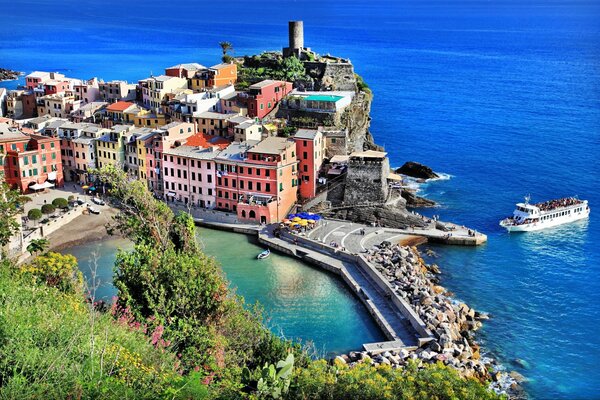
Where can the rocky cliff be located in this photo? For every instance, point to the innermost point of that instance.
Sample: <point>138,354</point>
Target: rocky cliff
<point>7,74</point>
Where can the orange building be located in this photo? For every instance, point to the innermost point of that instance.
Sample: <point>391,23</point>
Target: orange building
<point>258,180</point>
<point>215,76</point>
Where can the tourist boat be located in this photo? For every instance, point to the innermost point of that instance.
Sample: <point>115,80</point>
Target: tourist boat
<point>532,217</point>
<point>264,254</point>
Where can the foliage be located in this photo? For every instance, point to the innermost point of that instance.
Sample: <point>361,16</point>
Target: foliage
<point>55,346</point>
<point>25,199</point>
<point>34,214</point>
<point>55,270</point>
<point>288,69</point>
<point>9,209</point>
<point>38,246</point>
<point>48,208</point>
<point>71,197</point>
<point>226,47</point>
<point>60,202</point>
<point>272,381</point>
<point>362,85</point>
<point>287,131</point>
<point>363,381</point>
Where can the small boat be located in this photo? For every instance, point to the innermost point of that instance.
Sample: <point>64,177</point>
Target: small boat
<point>264,254</point>
<point>533,217</point>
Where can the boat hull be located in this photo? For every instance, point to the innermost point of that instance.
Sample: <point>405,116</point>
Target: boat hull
<point>547,224</point>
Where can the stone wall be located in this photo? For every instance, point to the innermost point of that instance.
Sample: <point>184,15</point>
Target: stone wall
<point>331,75</point>
<point>366,181</point>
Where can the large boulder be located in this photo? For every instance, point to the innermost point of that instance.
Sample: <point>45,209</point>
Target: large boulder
<point>417,170</point>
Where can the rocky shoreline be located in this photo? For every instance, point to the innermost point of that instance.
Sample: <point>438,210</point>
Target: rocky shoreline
<point>452,323</point>
<point>9,75</point>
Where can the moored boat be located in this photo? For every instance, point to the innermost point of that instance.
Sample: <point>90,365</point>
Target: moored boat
<point>532,217</point>
<point>264,254</point>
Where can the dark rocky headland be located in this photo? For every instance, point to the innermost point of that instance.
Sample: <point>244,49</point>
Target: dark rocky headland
<point>9,75</point>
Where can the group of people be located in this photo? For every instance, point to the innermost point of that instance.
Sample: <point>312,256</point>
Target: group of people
<point>552,204</point>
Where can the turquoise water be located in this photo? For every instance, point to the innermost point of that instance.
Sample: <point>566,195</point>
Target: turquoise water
<point>300,302</point>
<point>502,95</point>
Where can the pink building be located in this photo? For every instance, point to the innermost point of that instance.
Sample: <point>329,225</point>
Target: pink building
<point>310,148</point>
<point>189,175</point>
<point>262,97</point>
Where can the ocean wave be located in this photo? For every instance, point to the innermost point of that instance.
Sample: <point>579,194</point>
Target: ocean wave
<point>441,177</point>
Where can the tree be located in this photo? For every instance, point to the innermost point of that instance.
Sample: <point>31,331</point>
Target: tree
<point>48,209</point>
<point>9,209</point>
<point>34,214</point>
<point>60,202</point>
<point>226,47</point>
<point>38,246</point>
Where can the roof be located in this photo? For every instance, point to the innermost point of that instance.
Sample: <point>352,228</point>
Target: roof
<point>204,140</point>
<point>339,159</point>
<point>187,66</point>
<point>193,152</point>
<point>70,125</point>
<point>394,177</point>
<point>83,140</point>
<point>41,119</point>
<point>38,74</point>
<point>235,150</point>
<point>221,65</point>
<point>213,115</point>
<point>8,133</point>
<point>272,145</point>
<point>229,96</point>
<point>265,83</point>
<point>368,154</point>
<point>162,78</point>
<point>121,128</point>
<point>306,134</point>
<point>119,106</point>
<point>247,124</point>
<point>239,119</point>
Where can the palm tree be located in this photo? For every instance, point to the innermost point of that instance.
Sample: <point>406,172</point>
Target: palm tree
<point>38,246</point>
<point>226,47</point>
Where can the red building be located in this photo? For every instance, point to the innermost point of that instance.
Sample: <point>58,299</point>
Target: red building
<point>258,181</point>
<point>262,97</point>
<point>28,159</point>
<point>55,86</point>
<point>187,70</point>
<point>310,148</point>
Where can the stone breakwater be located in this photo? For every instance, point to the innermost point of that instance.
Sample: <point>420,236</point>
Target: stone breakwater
<point>453,323</point>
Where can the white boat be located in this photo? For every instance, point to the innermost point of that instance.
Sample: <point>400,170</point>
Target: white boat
<point>533,217</point>
<point>264,254</point>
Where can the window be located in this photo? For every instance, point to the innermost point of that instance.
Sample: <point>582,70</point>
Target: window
<point>249,185</point>
<point>26,160</point>
<point>258,186</point>
<point>281,187</point>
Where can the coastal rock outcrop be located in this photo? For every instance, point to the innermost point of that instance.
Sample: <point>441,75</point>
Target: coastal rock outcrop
<point>412,200</point>
<point>7,74</point>
<point>417,170</point>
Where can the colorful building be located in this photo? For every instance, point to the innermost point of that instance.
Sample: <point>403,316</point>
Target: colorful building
<point>187,70</point>
<point>215,76</point>
<point>189,175</point>
<point>110,147</point>
<point>262,97</point>
<point>114,91</point>
<point>155,89</point>
<point>258,181</point>
<point>29,159</point>
<point>310,151</point>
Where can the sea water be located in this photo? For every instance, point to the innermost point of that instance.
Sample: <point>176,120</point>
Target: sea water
<point>503,96</point>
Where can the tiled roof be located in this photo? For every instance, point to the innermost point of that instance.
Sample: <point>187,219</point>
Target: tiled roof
<point>204,140</point>
<point>119,106</point>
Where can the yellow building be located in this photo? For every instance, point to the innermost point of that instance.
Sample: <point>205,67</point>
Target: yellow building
<point>110,148</point>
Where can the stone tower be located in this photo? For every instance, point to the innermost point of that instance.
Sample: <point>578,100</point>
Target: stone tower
<point>296,40</point>
<point>296,34</point>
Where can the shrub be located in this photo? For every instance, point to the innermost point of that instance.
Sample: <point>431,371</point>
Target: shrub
<point>71,198</point>
<point>34,214</point>
<point>60,202</point>
<point>48,208</point>
<point>55,270</point>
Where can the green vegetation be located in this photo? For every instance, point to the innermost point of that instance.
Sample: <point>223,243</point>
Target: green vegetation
<point>268,66</point>
<point>362,85</point>
<point>38,246</point>
<point>226,47</point>
<point>48,209</point>
<point>60,202</point>
<point>34,214</point>
<point>9,209</point>
<point>175,331</point>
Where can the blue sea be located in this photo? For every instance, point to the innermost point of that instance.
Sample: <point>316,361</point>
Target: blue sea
<point>503,96</point>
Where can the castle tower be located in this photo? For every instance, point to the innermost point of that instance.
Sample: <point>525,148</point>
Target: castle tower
<point>296,34</point>
<point>295,40</point>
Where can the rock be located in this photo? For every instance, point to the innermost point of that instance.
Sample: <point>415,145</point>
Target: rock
<point>417,170</point>
<point>435,346</point>
<point>404,354</point>
<point>384,360</point>
<point>517,376</point>
<point>481,316</point>
<point>521,363</point>
<point>340,360</point>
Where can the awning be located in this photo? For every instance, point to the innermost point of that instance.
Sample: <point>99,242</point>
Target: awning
<point>172,194</point>
<point>52,176</point>
<point>47,185</point>
<point>37,186</point>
